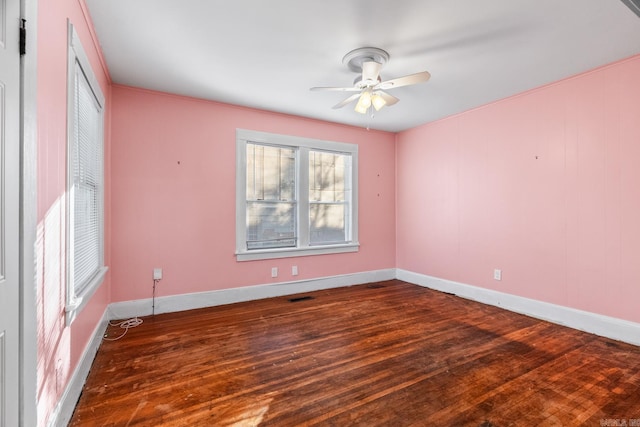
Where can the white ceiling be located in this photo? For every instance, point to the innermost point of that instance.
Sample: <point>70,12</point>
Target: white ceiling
<point>267,54</point>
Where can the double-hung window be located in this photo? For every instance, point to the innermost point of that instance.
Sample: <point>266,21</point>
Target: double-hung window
<point>85,180</point>
<point>294,196</point>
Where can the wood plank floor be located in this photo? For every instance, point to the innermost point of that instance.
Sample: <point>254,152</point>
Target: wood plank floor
<point>385,354</point>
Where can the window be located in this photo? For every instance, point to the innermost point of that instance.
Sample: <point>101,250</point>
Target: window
<point>329,197</point>
<point>85,180</point>
<point>271,197</point>
<point>294,196</point>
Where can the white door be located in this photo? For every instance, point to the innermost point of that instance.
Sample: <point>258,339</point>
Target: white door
<point>9,210</point>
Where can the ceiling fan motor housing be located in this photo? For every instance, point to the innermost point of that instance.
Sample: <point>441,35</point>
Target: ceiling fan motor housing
<point>357,57</point>
<point>362,84</point>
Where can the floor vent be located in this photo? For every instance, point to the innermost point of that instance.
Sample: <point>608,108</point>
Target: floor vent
<point>376,286</point>
<point>298,299</point>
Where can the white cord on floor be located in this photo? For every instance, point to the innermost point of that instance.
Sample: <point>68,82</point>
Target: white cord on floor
<point>126,325</point>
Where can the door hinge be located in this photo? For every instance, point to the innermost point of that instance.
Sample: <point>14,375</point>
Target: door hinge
<point>23,37</point>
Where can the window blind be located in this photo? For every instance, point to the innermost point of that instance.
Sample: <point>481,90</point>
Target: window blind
<point>86,191</point>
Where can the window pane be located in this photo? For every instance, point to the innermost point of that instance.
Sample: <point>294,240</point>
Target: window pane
<point>271,225</point>
<point>270,172</point>
<point>327,176</point>
<point>271,191</point>
<point>329,197</point>
<point>327,223</point>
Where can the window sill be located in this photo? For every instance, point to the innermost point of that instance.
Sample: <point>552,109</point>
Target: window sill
<point>73,308</point>
<point>296,252</point>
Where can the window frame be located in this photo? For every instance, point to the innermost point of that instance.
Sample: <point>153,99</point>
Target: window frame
<point>78,295</point>
<point>303,146</point>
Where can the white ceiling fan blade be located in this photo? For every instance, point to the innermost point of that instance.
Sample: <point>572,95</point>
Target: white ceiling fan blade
<point>370,71</point>
<point>346,101</point>
<point>411,79</point>
<point>388,99</point>
<point>336,89</point>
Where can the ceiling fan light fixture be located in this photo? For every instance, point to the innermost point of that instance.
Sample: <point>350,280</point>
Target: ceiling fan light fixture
<point>364,102</point>
<point>377,101</point>
<point>361,109</point>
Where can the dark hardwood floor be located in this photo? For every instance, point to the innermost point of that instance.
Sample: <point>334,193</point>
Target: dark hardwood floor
<point>384,354</point>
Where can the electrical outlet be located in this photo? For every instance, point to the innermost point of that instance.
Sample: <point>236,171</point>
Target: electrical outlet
<point>294,270</point>
<point>274,271</point>
<point>497,274</point>
<point>157,274</point>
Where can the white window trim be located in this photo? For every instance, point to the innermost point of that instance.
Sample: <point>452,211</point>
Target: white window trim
<point>244,136</point>
<point>76,53</point>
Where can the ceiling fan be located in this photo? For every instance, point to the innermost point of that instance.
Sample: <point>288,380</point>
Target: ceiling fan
<point>368,61</point>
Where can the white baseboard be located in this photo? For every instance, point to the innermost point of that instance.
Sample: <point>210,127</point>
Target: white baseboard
<point>605,326</point>
<point>67,403</point>
<point>167,304</point>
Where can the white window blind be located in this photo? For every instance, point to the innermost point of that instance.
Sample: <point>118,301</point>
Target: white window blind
<point>87,175</point>
<point>85,180</point>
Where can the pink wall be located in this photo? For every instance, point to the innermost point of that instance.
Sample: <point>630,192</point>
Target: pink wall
<point>543,185</point>
<point>173,205</point>
<point>60,347</point>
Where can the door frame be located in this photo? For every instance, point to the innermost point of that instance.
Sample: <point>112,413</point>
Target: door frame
<point>28,375</point>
